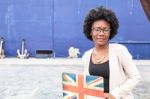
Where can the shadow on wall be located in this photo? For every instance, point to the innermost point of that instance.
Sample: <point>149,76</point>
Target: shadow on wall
<point>146,7</point>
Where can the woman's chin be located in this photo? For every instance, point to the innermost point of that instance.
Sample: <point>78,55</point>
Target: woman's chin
<point>101,43</point>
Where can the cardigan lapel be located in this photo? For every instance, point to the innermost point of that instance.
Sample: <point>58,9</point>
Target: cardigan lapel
<point>113,67</point>
<point>116,75</point>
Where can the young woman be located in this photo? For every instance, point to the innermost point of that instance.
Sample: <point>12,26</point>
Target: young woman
<point>112,61</point>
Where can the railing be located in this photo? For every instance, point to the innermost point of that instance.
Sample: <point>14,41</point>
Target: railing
<point>131,42</point>
<point>138,49</point>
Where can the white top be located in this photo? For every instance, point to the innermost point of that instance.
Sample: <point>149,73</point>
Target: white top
<point>124,75</point>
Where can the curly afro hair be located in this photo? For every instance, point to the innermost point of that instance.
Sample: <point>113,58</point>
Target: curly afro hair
<point>100,13</point>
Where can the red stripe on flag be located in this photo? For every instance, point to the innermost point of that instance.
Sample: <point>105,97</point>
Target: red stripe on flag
<point>81,90</point>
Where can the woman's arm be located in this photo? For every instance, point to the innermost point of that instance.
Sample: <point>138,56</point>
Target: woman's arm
<point>131,71</point>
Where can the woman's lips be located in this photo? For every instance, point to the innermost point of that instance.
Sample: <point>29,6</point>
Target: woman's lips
<point>101,39</point>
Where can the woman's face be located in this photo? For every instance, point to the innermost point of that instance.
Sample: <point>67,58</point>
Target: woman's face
<point>100,32</point>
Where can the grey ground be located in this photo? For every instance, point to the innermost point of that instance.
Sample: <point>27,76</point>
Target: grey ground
<point>44,81</point>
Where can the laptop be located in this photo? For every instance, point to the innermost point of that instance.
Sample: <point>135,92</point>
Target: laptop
<point>79,86</point>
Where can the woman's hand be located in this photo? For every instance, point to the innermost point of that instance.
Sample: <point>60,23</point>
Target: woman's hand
<point>109,96</point>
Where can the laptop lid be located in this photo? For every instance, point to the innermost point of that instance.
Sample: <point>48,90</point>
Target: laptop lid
<point>79,86</point>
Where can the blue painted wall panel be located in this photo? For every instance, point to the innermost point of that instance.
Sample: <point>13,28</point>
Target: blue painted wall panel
<point>57,24</point>
<point>27,19</point>
<point>139,50</point>
<point>68,21</point>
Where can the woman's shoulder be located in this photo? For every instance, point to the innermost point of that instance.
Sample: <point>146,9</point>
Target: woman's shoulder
<point>118,46</point>
<point>120,49</point>
<point>88,51</point>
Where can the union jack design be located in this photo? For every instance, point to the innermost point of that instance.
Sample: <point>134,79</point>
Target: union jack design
<point>78,86</point>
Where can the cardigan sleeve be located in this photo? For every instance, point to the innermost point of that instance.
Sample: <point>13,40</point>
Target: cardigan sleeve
<point>86,60</point>
<point>131,72</point>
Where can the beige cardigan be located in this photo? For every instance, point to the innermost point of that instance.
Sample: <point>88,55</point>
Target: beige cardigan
<point>124,75</point>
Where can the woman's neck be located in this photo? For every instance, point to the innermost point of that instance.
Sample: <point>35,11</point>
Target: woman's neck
<point>101,47</point>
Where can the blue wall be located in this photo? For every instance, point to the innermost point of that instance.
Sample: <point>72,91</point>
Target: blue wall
<point>57,24</point>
